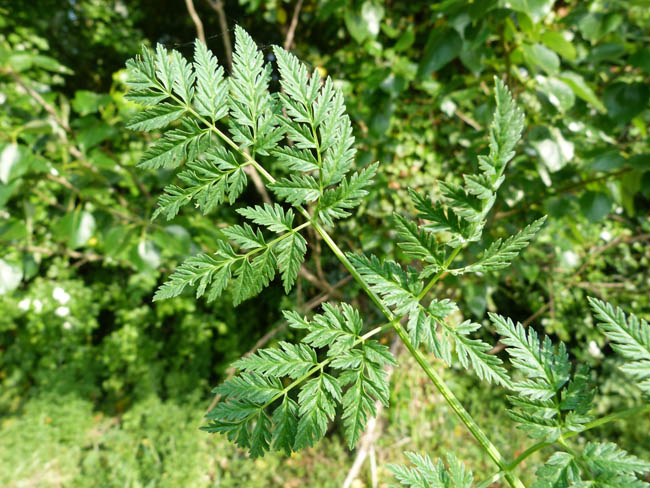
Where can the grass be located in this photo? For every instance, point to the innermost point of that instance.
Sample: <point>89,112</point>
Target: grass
<point>62,441</point>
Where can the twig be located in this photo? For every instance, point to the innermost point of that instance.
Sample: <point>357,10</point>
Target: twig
<point>217,6</point>
<point>567,189</point>
<point>322,285</point>
<point>619,240</point>
<point>85,256</point>
<point>37,96</point>
<point>288,40</point>
<point>258,183</point>
<point>500,346</point>
<point>468,120</point>
<point>373,431</point>
<point>196,19</point>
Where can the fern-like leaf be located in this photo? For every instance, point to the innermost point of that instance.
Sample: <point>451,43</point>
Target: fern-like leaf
<point>368,383</point>
<point>630,337</point>
<point>291,253</point>
<point>419,244</point>
<point>501,253</point>
<point>273,217</point>
<point>156,117</point>
<point>317,400</point>
<point>175,146</point>
<point>546,366</point>
<point>209,272</point>
<point>336,202</point>
<point>211,95</point>
<point>427,474</point>
<point>607,457</point>
<point>474,353</point>
<point>287,359</point>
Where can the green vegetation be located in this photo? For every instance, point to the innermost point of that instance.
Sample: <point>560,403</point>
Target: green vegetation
<point>334,194</point>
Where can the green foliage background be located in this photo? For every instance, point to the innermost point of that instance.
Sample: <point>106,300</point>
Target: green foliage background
<point>100,386</point>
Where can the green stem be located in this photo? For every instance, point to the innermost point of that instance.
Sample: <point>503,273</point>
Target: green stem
<point>439,274</point>
<point>591,425</point>
<point>447,394</point>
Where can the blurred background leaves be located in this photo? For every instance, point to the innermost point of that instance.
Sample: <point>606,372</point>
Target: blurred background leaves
<point>101,387</point>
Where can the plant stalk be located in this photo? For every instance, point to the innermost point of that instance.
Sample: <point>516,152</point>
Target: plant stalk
<point>447,394</point>
<point>591,425</point>
<point>444,390</point>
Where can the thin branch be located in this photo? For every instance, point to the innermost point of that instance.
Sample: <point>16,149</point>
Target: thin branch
<point>322,285</point>
<point>567,189</point>
<point>37,96</point>
<point>258,183</point>
<point>217,6</point>
<point>288,40</point>
<point>592,254</point>
<point>468,120</point>
<point>196,19</point>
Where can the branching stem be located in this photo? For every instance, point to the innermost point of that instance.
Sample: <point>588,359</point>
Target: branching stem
<point>591,425</point>
<point>394,321</point>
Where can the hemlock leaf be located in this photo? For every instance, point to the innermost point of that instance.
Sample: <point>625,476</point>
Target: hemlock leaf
<point>285,422</point>
<point>287,359</point>
<point>297,189</point>
<point>367,384</point>
<point>183,77</point>
<point>560,471</point>
<point>253,123</point>
<point>248,386</point>
<point>501,253</point>
<point>547,366</point>
<point>317,407</point>
<point>253,276</point>
<point>474,352</point>
<point>143,85</point>
<point>427,474</point>
<point>261,437</point>
<point>419,244</point>
<point>336,202</point>
<point>204,270</point>
<point>245,236</point>
<point>630,337</point>
<point>164,70</point>
<point>216,176</point>
<point>272,217</point>
<point>441,219</point>
<point>291,253</point>
<point>175,146</point>
<point>294,78</point>
<point>338,157</point>
<point>607,457</point>
<point>398,288</point>
<point>155,117</point>
<point>294,159</point>
<point>337,327</point>
<point>505,132</point>
<point>211,94</point>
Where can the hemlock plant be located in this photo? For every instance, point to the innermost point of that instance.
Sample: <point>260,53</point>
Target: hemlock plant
<point>284,397</point>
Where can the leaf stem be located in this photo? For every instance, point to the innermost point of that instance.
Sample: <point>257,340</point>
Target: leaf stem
<point>439,274</point>
<point>591,425</point>
<point>444,390</point>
